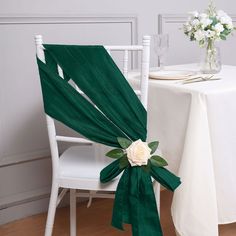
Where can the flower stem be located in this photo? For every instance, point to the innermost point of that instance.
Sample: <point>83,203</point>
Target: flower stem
<point>210,57</point>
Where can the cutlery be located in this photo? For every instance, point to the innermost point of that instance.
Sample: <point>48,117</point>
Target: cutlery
<point>199,79</point>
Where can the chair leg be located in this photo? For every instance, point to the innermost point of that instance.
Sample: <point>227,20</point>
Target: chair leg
<point>51,209</point>
<point>72,212</point>
<point>157,191</point>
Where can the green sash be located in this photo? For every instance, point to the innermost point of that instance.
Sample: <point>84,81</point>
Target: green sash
<point>110,110</point>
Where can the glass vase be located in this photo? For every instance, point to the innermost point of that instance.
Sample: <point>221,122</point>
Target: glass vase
<point>210,59</point>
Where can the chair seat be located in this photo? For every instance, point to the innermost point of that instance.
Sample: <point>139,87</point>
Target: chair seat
<point>81,162</point>
<point>79,168</point>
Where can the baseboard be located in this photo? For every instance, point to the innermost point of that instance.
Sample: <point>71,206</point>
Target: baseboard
<point>27,204</point>
<point>23,204</point>
<point>25,197</point>
<point>23,210</point>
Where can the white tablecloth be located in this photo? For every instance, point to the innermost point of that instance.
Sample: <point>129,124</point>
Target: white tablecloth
<point>196,126</point>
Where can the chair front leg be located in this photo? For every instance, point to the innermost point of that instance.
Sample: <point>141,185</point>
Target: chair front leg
<point>157,191</point>
<point>72,212</point>
<point>52,209</point>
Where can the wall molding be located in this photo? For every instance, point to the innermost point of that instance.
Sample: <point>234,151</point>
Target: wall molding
<point>164,19</point>
<point>33,202</point>
<point>21,158</point>
<point>25,197</point>
<point>131,20</point>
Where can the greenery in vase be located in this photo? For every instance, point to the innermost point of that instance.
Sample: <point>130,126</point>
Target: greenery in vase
<point>208,27</point>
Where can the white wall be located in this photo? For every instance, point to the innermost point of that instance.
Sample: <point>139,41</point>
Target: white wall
<point>24,170</point>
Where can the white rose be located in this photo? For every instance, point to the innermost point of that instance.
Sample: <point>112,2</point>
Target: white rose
<point>210,34</point>
<point>230,26</point>
<point>187,27</point>
<point>203,16</point>
<point>219,28</point>
<point>194,14</point>
<point>220,13</point>
<point>199,35</point>
<point>205,22</point>
<point>138,153</point>
<point>195,22</point>
<point>225,20</point>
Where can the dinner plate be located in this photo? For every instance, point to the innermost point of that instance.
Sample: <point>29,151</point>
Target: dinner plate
<point>170,74</point>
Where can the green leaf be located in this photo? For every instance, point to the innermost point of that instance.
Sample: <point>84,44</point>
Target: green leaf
<point>153,146</point>
<point>115,153</point>
<point>158,161</point>
<point>226,32</point>
<point>214,20</point>
<point>124,142</point>
<point>123,162</point>
<point>223,37</point>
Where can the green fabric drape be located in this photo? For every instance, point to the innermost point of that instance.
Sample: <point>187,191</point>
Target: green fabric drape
<point>135,202</point>
<point>100,79</point>
<point>110,110</point>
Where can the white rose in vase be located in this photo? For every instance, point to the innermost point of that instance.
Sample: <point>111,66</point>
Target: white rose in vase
<point>194,14</point>
<point>210,34</point>
<point>199,35</point>
<point>205,22</point>
<point>210,25</point>
<point>207,28</point>
<point>220,14</point>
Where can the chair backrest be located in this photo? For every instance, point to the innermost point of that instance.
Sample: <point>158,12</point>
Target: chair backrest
<point>142,92</point>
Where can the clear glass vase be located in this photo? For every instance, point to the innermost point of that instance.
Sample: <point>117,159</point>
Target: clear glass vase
<point>210,59</point>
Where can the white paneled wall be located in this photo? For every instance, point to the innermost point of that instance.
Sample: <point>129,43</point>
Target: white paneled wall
<point>24,163</point>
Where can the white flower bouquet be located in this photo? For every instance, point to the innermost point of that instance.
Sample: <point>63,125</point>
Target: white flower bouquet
<point>211,25</point>
<point>206,28</point>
